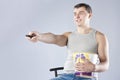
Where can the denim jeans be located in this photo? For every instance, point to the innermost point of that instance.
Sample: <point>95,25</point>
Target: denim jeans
<point>71,77</point>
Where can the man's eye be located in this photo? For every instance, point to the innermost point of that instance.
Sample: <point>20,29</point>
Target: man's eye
<point>81,13</point>
<point>74,14</point>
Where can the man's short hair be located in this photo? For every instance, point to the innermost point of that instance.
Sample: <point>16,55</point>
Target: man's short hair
<point>86,6</point>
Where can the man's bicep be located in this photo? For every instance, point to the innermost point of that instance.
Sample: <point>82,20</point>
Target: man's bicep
<point>62,39</point>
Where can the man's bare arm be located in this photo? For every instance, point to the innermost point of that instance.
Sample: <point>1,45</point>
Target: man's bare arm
<point>50,38</point>
<point>102,53</point>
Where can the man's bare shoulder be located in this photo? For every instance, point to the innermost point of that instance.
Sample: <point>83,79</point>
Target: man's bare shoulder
<point>100,36</point>
<point>67,34</point>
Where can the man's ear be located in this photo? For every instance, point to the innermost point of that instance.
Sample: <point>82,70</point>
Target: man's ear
<point>90,15</point>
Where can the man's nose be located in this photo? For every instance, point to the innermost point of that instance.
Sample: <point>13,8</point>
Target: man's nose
<point>77,16</point>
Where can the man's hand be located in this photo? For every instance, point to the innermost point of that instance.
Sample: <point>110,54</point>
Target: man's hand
<point>86,66</point>
<point>33,36</point>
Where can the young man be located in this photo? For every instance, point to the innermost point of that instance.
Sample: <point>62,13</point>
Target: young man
<point>87,47</point>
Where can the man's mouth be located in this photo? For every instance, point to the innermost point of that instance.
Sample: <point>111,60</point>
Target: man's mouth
<point>78,20</point>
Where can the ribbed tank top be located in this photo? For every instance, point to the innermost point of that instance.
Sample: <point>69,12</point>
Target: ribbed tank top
<point>81,43</point>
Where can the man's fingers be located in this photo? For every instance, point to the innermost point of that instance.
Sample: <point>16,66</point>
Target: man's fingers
<point>79,68</point>
<point>79,65</point>
<point>32,38</point>
<point>85,60</point>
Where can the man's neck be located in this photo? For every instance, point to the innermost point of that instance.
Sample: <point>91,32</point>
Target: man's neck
<point>83,29</point>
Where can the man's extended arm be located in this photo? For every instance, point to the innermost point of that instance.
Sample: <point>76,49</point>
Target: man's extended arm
<point>49,38</point>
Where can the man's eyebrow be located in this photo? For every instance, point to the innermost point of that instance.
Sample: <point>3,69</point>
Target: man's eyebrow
<point>82,11</point>
<point>79,12</point>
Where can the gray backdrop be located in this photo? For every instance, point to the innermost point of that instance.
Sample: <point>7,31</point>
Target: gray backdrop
<point>23,60</point>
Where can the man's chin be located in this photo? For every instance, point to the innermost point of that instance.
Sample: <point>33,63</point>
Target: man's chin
<point>79,25</point>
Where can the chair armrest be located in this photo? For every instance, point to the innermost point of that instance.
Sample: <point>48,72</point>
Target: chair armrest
<point>58,68</point>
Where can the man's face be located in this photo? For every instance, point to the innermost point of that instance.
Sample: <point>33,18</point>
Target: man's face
<point>81,16</point>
